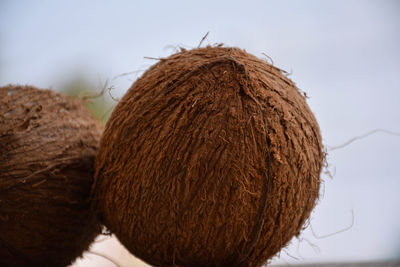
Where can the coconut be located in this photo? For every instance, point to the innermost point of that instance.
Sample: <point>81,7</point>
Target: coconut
<point>212,158</point>
<point>48,144</point>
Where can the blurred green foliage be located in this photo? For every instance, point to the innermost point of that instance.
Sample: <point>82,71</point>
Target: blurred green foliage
<point>98,101</point>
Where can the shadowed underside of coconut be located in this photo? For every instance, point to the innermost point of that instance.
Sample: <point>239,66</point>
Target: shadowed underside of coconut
<point>47,148</point>
<point>212,158</point>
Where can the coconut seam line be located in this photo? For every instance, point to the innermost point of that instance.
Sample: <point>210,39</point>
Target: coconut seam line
<point>211,158</point>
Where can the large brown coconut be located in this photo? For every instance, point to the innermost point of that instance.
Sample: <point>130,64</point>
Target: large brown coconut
<point>212,158</point>
<point>48,144</point>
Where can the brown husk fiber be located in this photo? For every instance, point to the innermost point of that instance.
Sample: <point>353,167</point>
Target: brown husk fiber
<point>212,158</point>
<point>48,144</point>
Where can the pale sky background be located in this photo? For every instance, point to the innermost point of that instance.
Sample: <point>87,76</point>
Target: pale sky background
<point>344,54</point>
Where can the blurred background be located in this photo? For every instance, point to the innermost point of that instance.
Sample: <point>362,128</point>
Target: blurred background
<point>344,54</point>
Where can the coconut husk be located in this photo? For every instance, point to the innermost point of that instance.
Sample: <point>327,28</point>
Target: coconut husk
<point>48,144</point>
<point>212,158</point>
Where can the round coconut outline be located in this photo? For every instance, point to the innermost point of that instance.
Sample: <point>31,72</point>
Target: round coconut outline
<point>150,198</point>
<point>48,144</point>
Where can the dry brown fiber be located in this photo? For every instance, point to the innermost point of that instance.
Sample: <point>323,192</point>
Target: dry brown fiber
<point>212,158</point>
<point>47,149</point>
